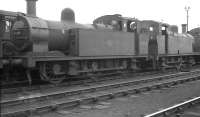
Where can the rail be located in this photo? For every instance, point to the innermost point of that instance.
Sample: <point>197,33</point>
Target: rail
<point>173,109</point>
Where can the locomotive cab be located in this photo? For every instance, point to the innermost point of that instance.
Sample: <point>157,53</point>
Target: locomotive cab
<point>116,23</point>
<point>149,31</point>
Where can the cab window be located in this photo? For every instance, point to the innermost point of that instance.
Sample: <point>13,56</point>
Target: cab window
<point>151,29</point>
<point>131,26</point>
<point>8,26</point>
<point>164,30</point>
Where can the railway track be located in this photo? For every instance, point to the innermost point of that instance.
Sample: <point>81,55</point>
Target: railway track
<point>177,110</point>
<point>49,90</point>
<point>43,102</point>
<point>86,81</point>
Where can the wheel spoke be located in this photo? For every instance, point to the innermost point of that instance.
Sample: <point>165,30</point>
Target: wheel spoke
<point>47,74</point>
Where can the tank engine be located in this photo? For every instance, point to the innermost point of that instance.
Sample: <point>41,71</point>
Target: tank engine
<point>35,37</point>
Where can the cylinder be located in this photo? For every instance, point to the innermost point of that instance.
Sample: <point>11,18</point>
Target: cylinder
<point>31,7</point>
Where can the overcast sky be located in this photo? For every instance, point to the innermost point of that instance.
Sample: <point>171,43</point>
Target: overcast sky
<point>168,11</point>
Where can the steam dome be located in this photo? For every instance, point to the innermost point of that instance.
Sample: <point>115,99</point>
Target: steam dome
<point>68,14</point>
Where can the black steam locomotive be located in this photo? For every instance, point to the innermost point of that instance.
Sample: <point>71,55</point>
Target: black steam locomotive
<point>57,50</point>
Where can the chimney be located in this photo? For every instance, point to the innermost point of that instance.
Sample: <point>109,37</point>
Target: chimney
<point>184,28</point>
<point>31,7</point>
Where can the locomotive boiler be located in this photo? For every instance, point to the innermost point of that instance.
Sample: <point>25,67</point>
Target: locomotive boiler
<point>38,35</point>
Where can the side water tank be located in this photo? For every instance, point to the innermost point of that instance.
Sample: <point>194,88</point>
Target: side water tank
<point>68,14</point>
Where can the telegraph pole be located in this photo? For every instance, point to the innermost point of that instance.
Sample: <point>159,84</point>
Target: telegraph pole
<point>187,8</point>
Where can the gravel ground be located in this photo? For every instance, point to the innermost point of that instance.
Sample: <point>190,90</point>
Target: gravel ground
<point>134,105</point>
<point>193,112</point>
